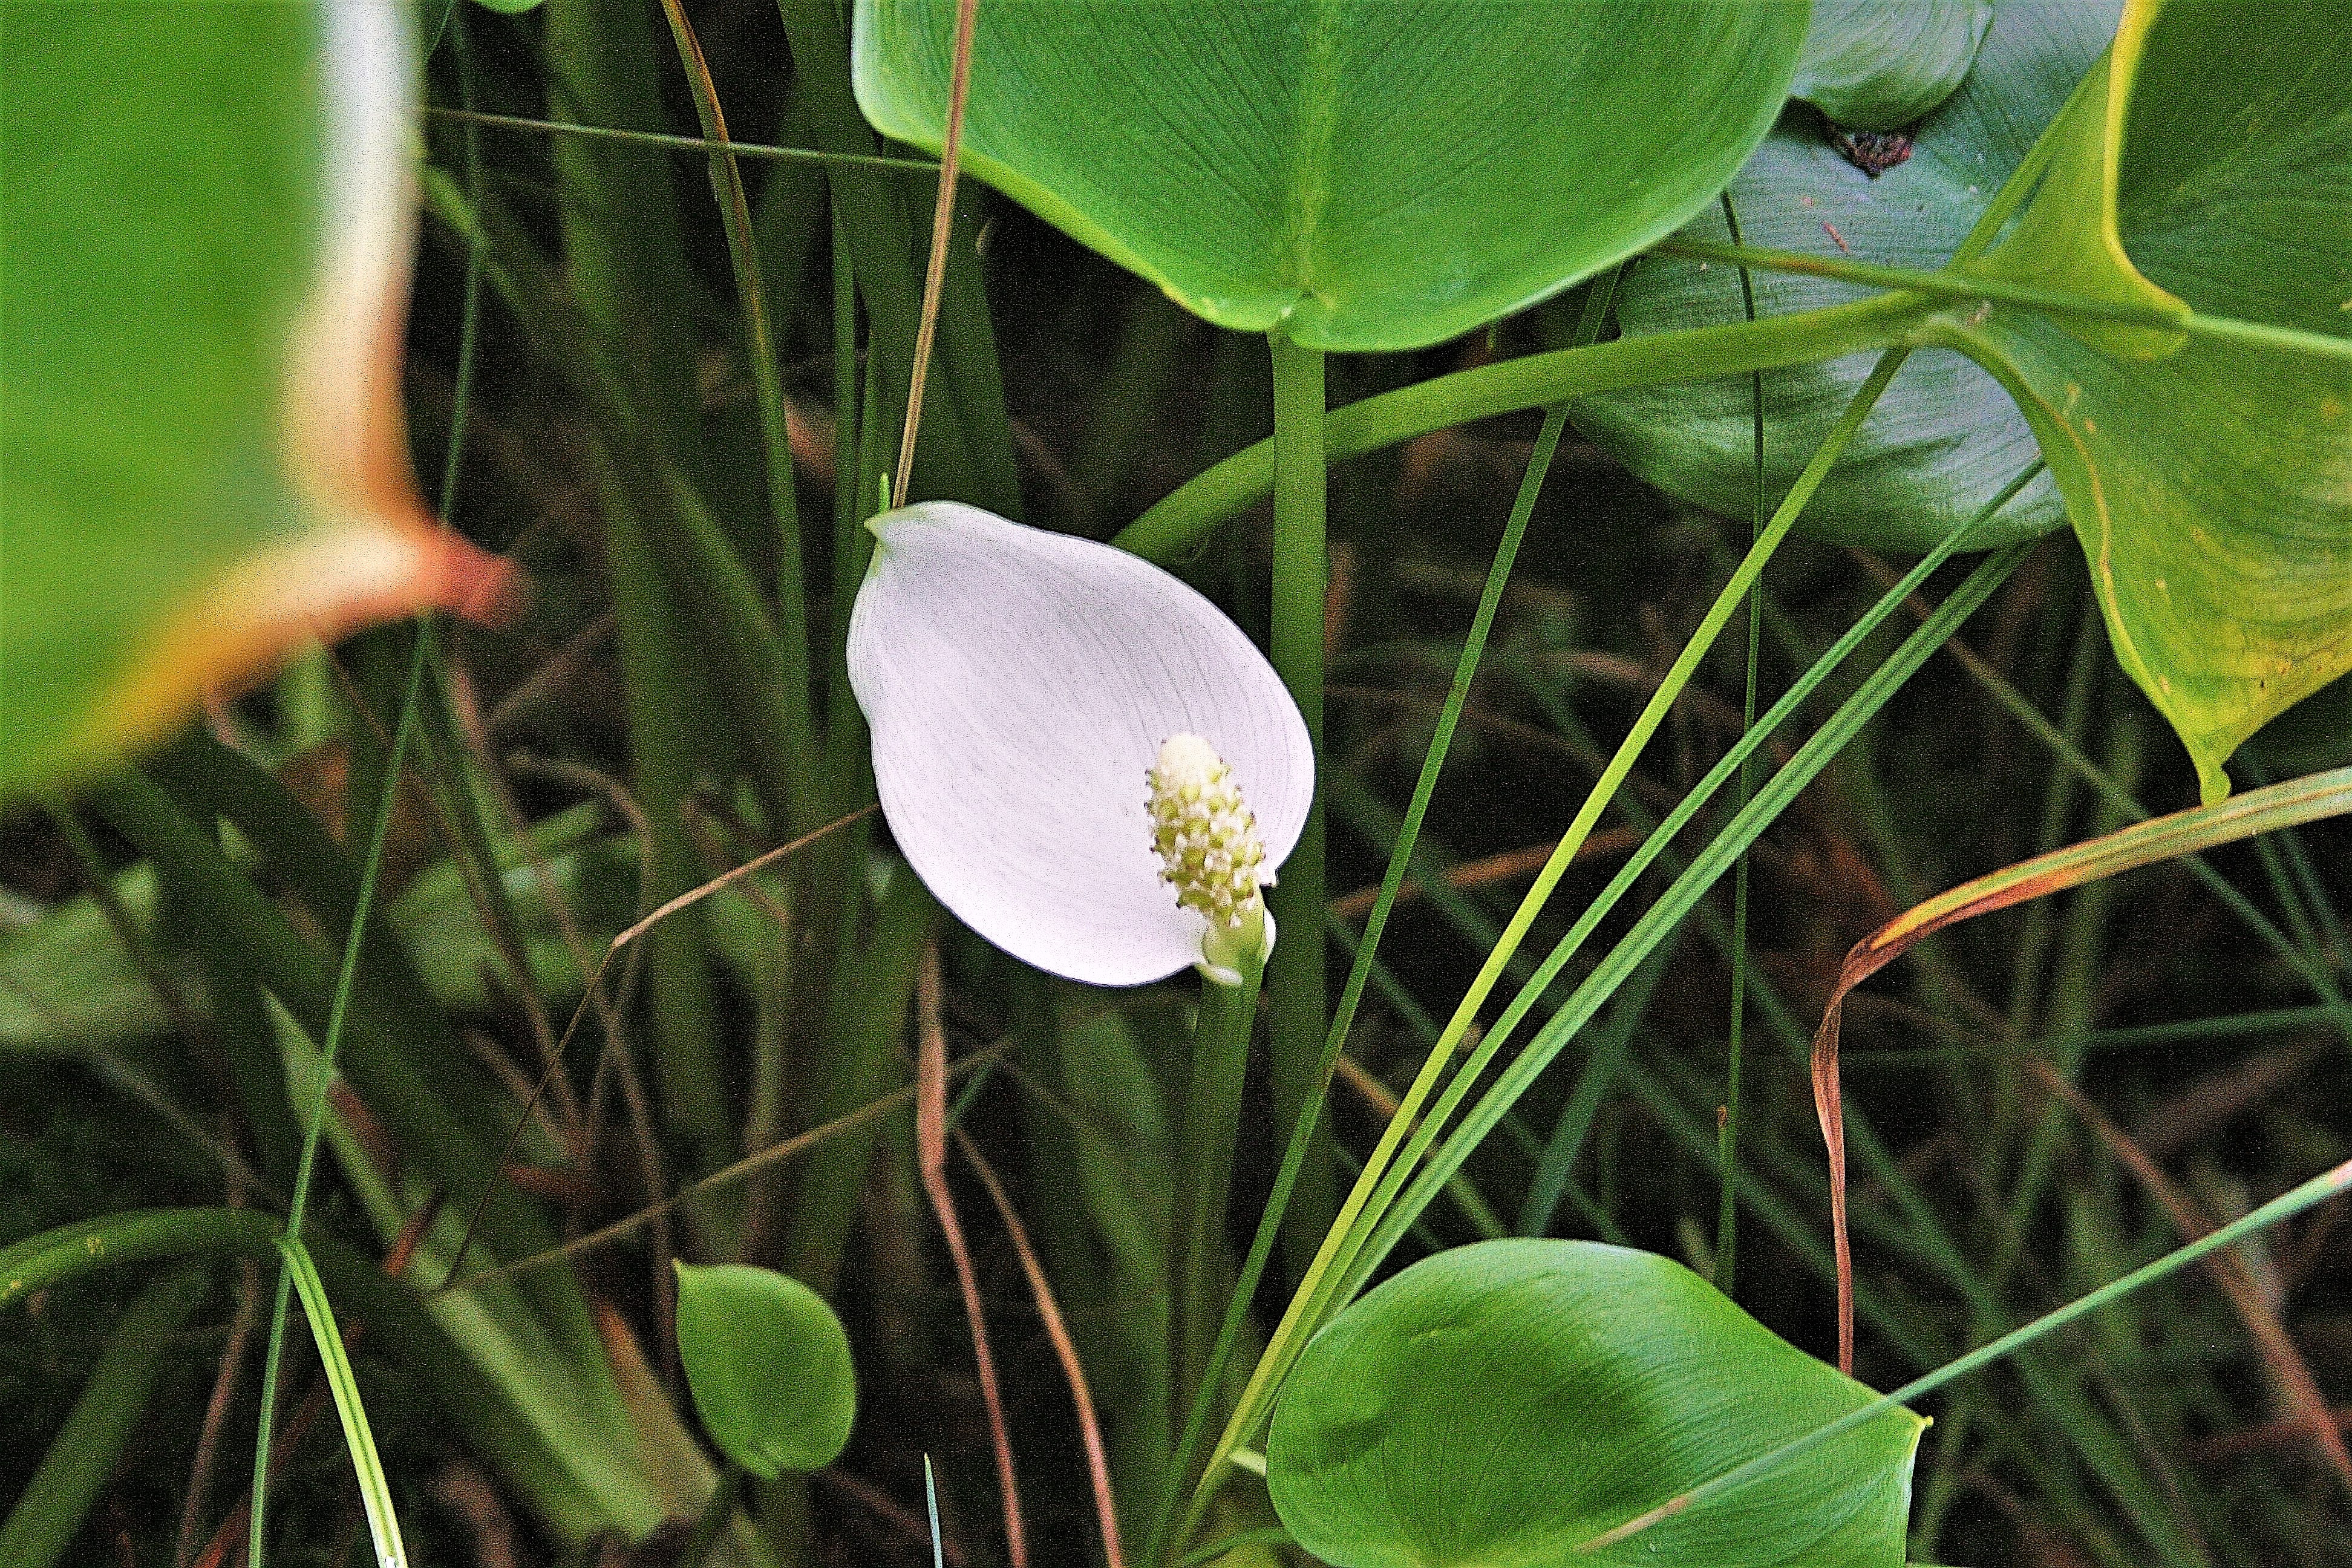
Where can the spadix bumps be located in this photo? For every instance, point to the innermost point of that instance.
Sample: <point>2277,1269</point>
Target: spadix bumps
<point>1206,839</point>
<point>1209,853</point>
<point>1022,687</point>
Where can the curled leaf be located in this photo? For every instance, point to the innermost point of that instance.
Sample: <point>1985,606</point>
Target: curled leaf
<point>2205,167</point>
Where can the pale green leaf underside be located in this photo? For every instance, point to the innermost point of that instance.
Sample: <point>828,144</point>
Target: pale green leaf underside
<point>1364,174</point>
<point>1876,65</point>
<point>1945,439</point>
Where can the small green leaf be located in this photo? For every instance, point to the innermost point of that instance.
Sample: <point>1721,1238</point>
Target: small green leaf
<point>1359,174</point>
<point>769,1364</point>
<point>1515,1401</point>
<point>2207,162</point>
<point>1877,64</point>
<point>1945,439</point>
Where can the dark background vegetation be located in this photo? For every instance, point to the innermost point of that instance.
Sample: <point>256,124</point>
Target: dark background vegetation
<point>1116,396</point>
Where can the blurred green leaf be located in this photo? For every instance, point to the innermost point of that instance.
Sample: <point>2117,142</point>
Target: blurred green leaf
<point>207,233</point>
<point>67,985</point>
<point>1876,65</point>
<point>1512,1401</point>
<point>1361,175</point>
<point>769,1364</point>
<point>1945,439</point>
<point>2207,162</point>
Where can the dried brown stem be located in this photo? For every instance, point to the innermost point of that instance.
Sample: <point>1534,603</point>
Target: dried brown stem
<point>1065,1349</point>
<point>932,1149</point>
<point>935,274</point>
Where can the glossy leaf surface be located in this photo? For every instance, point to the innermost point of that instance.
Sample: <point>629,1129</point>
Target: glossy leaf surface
<point>2211,482</point>
<point>1360,173</point>
<point>1513,1400</point>
<point>1878,65</point>
<point>1945,439</point>
<point>769,1366</point>
<point>207,229</point>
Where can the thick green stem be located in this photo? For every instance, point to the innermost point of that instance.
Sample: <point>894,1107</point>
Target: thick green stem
<point>1183,519</point>
<point>1221,1038</point>
<point>1963,288</point>
<point>1296,999</point>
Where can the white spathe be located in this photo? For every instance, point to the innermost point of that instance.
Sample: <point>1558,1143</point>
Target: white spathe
<point>1019,685</point>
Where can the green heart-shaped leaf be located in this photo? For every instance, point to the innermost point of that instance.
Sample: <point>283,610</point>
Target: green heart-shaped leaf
<point>1360,173</point>
<point>1877,64</point>
<point>207,233</point>
<point>1513,1401</point>
<point>769,1366</point>
<point>1945,440</point>
<point>2207,162</point>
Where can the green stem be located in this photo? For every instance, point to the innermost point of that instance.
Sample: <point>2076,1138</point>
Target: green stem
<point>1297,997</point>
<point>926,168</point>
<point>1961,286</point>
<point>298,1207</point>
<point>759,347</point>
<point>41,1526</point>
<point>1725,1268</point>
<point>1183,519</point>
<point>1361,1258</point>
<point>712,1523</point>
<point>1221,1036</point>
<point>1702,873</point>
<point>420,652</point>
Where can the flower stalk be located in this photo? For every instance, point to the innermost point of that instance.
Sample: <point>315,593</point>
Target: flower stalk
<point>1204,1163</point>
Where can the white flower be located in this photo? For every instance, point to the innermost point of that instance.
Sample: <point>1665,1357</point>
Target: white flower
<point>1079,755</point>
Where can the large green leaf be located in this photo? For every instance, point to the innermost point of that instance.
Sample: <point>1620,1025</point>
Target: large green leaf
<point>2209,160</point>
<point>1511,1402</point>
<point>1877,64</point>
<point>207,234</point>
<point>1360,173</point>
<point>1945,439</point>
